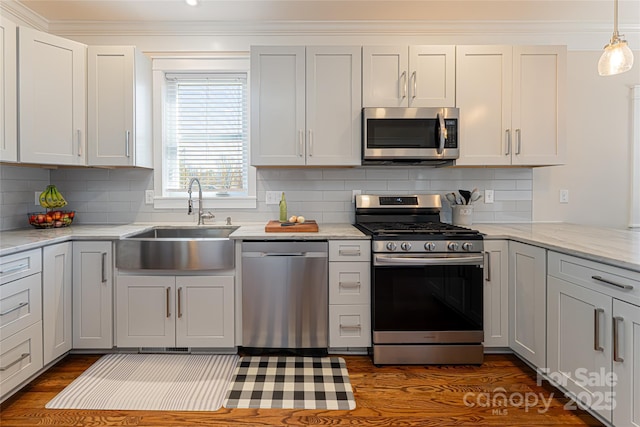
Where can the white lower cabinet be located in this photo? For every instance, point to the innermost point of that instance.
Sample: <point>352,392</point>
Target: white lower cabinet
<point>593,348</point>
<point>20,319</point>
<point>349,294</point>
<point>496,293</point>
<point>92,295</point>
<point>527,302</point>
<point>56,300</point>
<point>175,311</point>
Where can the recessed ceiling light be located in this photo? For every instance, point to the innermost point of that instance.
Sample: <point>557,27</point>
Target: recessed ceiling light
<point>192,2</point>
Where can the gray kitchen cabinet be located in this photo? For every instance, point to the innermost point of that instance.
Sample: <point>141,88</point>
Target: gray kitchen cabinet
<point>52,99</point>
<point>20,319</point>
<point>527,302</point>
<point>593,330</point>
<point>349,294</point>
<point>513,100</point>
<point>496,293</point>
<point>92,295</point>
<point>175,311</point>
<point>413,76</point>
<point>8,91</point>
<point>305,105</point>
<point>56,300</point>
<point>119,107</point>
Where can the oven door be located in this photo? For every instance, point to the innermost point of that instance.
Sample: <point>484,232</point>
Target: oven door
<point>427,298</point>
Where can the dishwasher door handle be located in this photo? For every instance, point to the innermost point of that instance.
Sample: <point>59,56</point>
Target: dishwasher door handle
<point>285,254</point>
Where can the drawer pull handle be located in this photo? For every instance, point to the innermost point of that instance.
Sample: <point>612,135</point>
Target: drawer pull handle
<point>15,268</point>
<point>180,302</point>
<point>349,252</point>
<point>596,329</point>
<point>168,296</point>
<point>104,267</point>
<point>616,339</point>
<point>17,307</point>
<point>358,326</point>
<point>18,360</point>
<point>487,266</point>
<point>609,282</point>
<point>350,285</point>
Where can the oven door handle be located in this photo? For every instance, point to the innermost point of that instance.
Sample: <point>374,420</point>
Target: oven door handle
<point>380,259</point>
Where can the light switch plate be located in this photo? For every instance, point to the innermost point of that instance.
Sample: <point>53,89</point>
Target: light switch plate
<point>488,196</point>
<point>273,197</point>
<point>148,197</point>
<point>37,201</point>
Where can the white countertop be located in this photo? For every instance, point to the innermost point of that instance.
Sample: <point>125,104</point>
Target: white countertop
<point>616,247</point>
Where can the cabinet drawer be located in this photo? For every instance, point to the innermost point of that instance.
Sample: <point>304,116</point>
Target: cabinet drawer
<point>349,250</point>
<point>349,326</point>
<point>20,304</point>
<point>349,283</point>
<point>20,357</point>
<point>614,281</point>
<point>16,266</point>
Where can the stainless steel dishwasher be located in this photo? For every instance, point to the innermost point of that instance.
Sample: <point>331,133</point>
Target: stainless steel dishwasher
<point>285,300</point>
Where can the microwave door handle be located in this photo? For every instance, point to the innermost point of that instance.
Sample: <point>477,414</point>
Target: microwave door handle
<point>442,132</point>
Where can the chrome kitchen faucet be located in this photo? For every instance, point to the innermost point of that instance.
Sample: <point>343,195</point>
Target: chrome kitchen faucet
<point>201,215</point>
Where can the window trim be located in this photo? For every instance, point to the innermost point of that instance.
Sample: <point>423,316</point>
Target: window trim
<point>184,63</point>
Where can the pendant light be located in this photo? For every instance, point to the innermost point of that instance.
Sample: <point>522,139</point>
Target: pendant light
<point>617,57</point>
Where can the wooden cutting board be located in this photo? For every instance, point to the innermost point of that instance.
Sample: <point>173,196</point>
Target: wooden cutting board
<point>309,226</point>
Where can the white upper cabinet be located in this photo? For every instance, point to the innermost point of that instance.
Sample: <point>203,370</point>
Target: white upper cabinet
<point>119,107</point>
<point>511,102</point>
<point>305,105</point>
<point>52,99</point>
<point>8,92</point>
<point>414,76</point>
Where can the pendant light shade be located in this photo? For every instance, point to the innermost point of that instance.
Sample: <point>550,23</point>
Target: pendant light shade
<point>617,57</point>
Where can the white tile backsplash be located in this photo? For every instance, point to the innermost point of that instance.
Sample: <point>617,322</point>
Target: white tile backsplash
<point>116,196</point>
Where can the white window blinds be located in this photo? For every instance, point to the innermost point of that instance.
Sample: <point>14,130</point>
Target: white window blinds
<point>206,133</point>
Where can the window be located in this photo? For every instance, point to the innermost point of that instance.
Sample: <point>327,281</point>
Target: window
<point>202,115</point>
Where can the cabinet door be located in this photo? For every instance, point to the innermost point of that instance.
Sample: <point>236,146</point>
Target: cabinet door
<point>579,340</point>
<point>145,311</point>
<point>483,95</point>
<point>205,311</point>
<point>52,94</point>
<point>527,302</point>
<point>385,78</point>
<point>8,92</point>
<point>333,98</point>
<point>278,105</point>
<point>56,300</point>
<point>539,74</point>
<point>496,294</point>
<point>92,295</point>
<point>432,76</point>
<point>626,364</point>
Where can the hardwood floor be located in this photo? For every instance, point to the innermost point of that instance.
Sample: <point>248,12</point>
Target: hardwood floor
<point>385,396</point>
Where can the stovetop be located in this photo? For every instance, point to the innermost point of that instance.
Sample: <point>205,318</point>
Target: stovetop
<point>417,228</point>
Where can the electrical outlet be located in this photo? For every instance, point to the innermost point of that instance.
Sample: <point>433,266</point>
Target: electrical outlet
<point>488,196</point>
<point>148,197</point>
<point>37,200</point>
<point>273,197</point>
<point>564,196</point>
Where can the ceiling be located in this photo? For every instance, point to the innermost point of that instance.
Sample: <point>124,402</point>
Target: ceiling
<point>593,11</point>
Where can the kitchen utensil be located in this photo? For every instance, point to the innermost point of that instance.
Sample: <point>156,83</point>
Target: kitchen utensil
<point>451,198</point>
<point>458,199</point>
<point>475,196</point>
<point>466,195</point>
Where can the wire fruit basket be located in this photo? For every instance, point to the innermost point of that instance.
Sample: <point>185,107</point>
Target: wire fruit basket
<point>51,219</point>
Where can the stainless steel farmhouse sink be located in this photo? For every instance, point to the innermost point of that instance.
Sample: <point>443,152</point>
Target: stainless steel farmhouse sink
<point>177,248</point>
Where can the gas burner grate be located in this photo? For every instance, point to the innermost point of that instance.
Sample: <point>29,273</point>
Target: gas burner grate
<point>384,228</point>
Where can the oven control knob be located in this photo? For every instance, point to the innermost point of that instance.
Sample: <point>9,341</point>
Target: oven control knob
<point>467,246</point>
<point>430,246</point>
<point>406,246</point>
<point>453,246</point>
<point>391,246</point>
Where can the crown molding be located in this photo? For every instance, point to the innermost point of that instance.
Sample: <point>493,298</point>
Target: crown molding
<point>17,11</point>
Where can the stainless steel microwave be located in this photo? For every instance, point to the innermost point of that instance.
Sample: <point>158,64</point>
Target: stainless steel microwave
<point>410,135</point>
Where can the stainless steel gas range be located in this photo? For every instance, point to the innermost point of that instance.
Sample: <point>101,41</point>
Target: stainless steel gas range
<point>427,282</point>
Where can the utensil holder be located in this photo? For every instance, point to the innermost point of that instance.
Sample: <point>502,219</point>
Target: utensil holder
<point>462,215</point>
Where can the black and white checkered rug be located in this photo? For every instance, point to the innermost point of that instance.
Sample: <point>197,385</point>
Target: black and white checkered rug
<point>290,383</point>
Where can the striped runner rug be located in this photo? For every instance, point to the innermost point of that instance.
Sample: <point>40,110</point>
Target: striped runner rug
<point>163,382</point>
